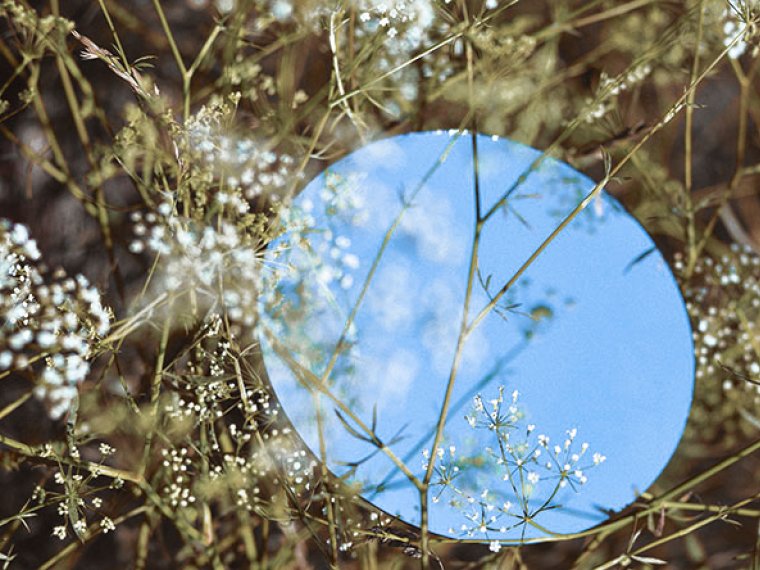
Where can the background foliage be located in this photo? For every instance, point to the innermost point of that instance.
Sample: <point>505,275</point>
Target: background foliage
<point>122,124</point>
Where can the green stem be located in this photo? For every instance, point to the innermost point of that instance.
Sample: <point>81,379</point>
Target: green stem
<point>155,391</point>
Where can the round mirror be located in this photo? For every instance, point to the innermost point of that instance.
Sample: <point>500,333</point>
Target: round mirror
<point>565,386</point>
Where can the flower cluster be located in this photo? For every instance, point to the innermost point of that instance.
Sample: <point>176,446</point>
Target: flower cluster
<point>77,500</point>
<point>178,465</point>
<point>205,389</point>
<point>264,457</point>
<point>243,165</point>
<point>409,21</point>
<point>400,29</point>
<point>328,257</point>
<point>46,318</point>
<point>723,300</point>
<point>255,477</point>
<point>610,87</point>
<point>309,261</point>
<point>219,264</point>
<point>533,470</point>
<point>410,18</point>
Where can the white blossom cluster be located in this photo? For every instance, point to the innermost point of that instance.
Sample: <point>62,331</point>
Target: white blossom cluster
<point>178,466</point>
<point>610,87</point>
<point>306,267</point>
<point>78,500</point>
<point>243,166</point>
<point>219,263</point>
<point>256,476</point>
<point>265,453</point>
<point>723,300</point>
<point>401,29</point>
<point>208,399</point>
<point>407,22</point>
<point>326,257</point>
<point>46,318</point>
<point>532,468</point>
<point>278,460</point>
<point>311,260</point>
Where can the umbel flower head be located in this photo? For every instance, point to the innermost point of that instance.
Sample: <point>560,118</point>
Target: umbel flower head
<point>722,296</point>
<point>530,473</point>
<point>47,321</point>
<point>219,262</point>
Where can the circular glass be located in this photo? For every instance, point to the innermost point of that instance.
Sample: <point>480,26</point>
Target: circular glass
<point>566,386</point>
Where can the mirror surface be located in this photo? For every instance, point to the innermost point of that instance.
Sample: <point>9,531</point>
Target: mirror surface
<point>570,395</point>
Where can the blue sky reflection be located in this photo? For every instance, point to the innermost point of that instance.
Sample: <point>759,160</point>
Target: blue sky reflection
<point>591,342</point>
